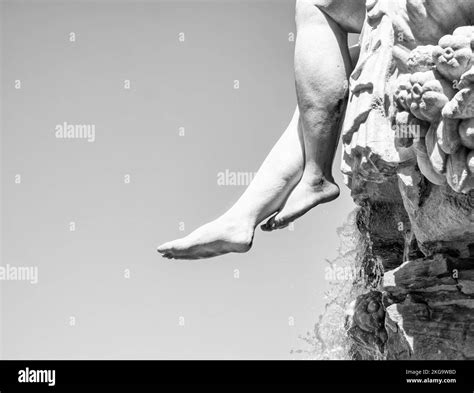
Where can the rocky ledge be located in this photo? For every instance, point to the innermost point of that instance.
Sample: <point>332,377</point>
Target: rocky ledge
<point>409,161</point>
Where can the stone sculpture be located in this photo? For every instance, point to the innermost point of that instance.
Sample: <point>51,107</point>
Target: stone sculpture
<point>406,115</point>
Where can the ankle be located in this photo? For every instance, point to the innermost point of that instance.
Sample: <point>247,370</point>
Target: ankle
<point>238,221</point>
<point>313,179</point>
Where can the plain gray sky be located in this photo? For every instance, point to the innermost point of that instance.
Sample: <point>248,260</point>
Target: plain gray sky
<point>174,84</point>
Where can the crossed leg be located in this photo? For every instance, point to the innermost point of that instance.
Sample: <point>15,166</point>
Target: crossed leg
<point>304,153</point>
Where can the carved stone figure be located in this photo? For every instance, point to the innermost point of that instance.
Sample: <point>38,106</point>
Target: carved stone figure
<point>404,106</point>
<point>415,74</point>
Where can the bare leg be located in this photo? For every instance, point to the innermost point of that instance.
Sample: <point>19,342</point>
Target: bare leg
<point>319,91</point>
<point>234,230</point>
<point>322,66</point>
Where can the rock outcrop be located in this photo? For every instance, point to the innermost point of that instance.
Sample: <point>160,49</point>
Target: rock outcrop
<point>408,158</point>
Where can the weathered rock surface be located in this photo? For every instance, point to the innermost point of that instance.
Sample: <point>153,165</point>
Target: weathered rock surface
<point>431,300</point>
<point>415,189</point>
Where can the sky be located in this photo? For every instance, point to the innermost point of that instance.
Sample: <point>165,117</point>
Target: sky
<point>167,120</point>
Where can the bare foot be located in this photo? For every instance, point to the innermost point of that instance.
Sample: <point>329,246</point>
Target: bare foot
<point>218,237</point>
<point>308,193</point>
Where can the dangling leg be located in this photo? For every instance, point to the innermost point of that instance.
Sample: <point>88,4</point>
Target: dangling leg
<point>322,66</point>
<point>234,230</point>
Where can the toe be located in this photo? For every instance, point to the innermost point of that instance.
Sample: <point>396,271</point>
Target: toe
<point>282,225</point>
<point>174,247</point>
<point>164,248</point>
<point>281,221</point>
<point>278,221</point>
<point>269,225</point>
